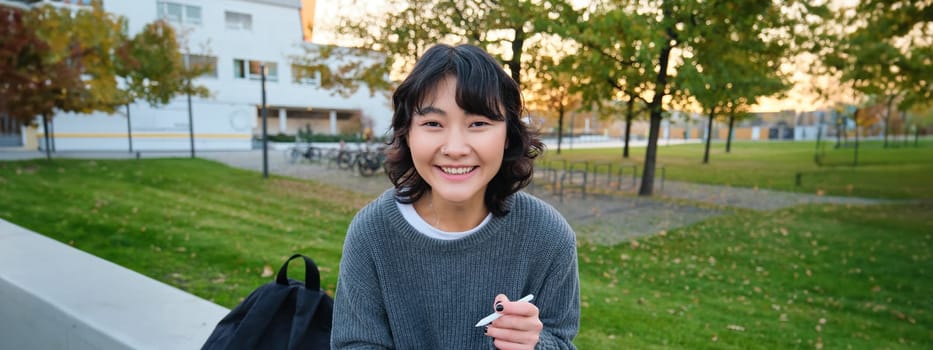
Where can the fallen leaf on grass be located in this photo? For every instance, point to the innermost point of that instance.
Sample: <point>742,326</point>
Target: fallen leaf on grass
<point>267,271</point>
<point>735,327</point>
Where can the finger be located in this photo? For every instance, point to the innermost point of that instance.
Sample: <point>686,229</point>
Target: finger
<point>519,308</point>
<point>500,299</point>
<point>519,323</point>
<point>513,336</point>
<point>503,344</point>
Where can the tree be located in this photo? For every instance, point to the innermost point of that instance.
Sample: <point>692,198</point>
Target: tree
<point>654,37</point>
<point>24,76</point>
<point>723,79</point>
<point>391,42</point>
<point>738,111</point>
<point>60,59</point>
<point>885,51</point>
<point>151,67</point>
<point>343,70</point>
<point>188,74</point>
<point>552,90</point>
<point>612,72</point>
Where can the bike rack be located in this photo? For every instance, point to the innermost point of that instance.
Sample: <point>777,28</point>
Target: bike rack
<point>567,181</point>
<point>596,168</point>
<point>634,175</point>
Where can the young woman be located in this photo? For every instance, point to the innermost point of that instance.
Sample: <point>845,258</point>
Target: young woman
<point>455,239</point>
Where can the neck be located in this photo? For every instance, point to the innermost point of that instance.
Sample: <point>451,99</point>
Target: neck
<point>450,217</point>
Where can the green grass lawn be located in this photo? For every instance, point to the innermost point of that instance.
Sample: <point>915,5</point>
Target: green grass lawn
<point>830,276</point>
<point>902,172</point>
<point>198,225</point>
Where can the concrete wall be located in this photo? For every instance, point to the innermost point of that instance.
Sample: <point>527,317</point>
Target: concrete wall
<point>53,296</point>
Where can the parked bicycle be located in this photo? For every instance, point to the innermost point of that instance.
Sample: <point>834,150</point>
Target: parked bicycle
<point>370,161</point>
<point>303,150</point>
<point>365,159</point>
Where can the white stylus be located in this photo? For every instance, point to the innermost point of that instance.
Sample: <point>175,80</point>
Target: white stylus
<point>495,315</point>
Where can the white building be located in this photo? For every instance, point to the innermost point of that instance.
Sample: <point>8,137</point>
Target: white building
<point>238,36</point>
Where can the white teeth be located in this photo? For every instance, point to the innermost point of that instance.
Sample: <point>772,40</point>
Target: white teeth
<point>456,171</point>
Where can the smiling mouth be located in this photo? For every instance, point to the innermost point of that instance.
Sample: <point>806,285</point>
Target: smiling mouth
<point>457,170</point>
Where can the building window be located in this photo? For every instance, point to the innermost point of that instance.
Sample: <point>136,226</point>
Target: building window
<point>238,21</point>
<point>305,76</point>
<point>209,62</point>
<point>250,69</point>
<point>177,13</point>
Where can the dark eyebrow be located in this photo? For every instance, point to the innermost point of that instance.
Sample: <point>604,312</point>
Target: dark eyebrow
<point>431,109</point>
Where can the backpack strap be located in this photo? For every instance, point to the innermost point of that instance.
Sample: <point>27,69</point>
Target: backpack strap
<point>312,276</point>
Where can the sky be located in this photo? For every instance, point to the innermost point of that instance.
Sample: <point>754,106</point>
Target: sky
<point>327,11</point>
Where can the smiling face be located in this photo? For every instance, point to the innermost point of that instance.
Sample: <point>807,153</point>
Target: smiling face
<point>457,153</point>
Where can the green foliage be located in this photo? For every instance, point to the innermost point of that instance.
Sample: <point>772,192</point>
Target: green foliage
<point>152,66</point>
<point>82,43</point>
<point>883,50</point>
<point>391,42</point>
<point>344,70</point>
<point>59,58</point>
<point>628,46</point>
<point>69,60</point>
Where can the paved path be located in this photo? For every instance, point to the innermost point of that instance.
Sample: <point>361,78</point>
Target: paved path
<point>599,218</point>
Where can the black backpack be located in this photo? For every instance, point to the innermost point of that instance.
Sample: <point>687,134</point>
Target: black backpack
<point>283,314</point>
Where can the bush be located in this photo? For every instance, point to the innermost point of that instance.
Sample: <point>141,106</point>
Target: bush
<point>350,138</point>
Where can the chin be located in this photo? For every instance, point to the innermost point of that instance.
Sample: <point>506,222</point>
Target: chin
<point>460,196</point>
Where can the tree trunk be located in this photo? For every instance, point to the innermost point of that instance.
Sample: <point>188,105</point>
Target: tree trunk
<point>917,137</point>
<point>729,137</point>
<point>129,128</point>
<point>190,121</point>
<point>45,133</point>
<point>906,129</point>
<point>515,64</point>
<point>560,128</point>
<point>855,118</point>
<point>817,156</point>
<point>845,136</point>
<point>887,121</point>
<point>52,133</point>
<point>629,116</point>
<point>838,130</point>
<point>709,134</point>
<point>660,86</point>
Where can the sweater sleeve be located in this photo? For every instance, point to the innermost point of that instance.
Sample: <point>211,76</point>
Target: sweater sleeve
<point>360,320</point>
<point>560,313</point>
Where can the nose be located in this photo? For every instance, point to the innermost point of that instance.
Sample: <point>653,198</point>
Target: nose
<point>456,144</point>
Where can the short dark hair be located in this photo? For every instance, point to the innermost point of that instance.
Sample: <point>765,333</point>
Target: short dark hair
<point>483,88</point>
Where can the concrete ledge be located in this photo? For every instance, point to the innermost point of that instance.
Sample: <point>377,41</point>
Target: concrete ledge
<point>53,296</point>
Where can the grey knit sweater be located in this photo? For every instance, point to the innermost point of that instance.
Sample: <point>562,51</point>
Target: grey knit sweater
<point>398,288</point>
